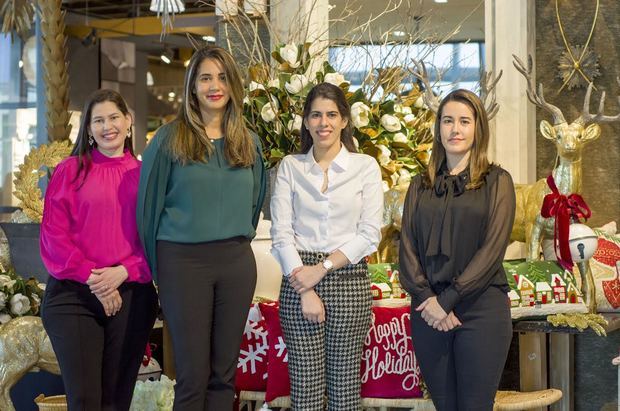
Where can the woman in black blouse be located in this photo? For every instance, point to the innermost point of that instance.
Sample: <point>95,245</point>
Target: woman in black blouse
<point>456,226</point>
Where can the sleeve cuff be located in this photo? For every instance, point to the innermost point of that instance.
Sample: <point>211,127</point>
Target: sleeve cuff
<point>82,273</point>
<point>288,257</point>
<point>422,296</point>
<point>356,249</point>
<point>448,299</point>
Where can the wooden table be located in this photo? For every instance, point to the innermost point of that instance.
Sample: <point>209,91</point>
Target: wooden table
<point>536,356</point>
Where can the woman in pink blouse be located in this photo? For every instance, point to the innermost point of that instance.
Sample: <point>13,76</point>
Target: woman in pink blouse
<point>100,303</point>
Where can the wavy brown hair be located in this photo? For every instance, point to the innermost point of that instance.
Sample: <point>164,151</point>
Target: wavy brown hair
<point>189,142</point>
<point>478,160</point>
<point>330,92</point>
<point>81,149</point>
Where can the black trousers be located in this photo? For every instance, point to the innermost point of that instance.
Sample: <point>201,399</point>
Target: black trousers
<point>205,291</point>
<point>99,356</point>
<point>462,367</point>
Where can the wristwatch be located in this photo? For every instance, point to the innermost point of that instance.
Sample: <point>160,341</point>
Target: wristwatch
<point>327,265</point>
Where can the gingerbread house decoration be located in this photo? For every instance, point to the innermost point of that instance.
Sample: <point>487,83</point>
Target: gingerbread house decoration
<point>514,298</point>
<point>397,289</point>
<point>544,294</point>
<point>526,290</point>
<point>572,294</point>
<point>380,291</point>
<point>559,288</point>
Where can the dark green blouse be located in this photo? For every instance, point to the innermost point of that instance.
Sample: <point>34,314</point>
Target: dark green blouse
<point>196,202</point>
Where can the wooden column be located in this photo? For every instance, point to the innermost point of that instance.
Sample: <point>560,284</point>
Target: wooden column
<point>510,29</point>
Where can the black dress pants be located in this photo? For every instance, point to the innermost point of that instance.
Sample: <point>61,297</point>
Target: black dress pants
<point>205,291</point>
<point>99,356</point>
<point>462,367</point>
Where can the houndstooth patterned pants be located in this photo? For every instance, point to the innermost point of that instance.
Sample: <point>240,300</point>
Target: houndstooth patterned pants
<point>327,355</point>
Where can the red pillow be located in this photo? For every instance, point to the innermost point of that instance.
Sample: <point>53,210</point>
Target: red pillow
<point>278,382</point>
<point>252,365</point>
<point>389,366</point>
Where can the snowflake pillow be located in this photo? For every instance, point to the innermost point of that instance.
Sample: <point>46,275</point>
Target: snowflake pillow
<point>252,364</point>
<point>278,382</point>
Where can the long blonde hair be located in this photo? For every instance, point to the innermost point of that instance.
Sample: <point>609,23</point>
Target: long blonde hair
<point>478,160</point>
<point>189,142</point>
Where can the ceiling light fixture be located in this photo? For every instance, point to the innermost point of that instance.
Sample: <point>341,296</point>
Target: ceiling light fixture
<point>167,6</point>
<point>441,1</point>
<point>209,39</point>
<point>167,9</point>
<point>398,33</point>
<point>167,55</point>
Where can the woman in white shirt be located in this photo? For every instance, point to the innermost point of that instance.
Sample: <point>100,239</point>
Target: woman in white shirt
<point>326,211</point>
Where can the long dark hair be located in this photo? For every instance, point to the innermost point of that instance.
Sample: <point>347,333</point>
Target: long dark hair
<point>478,159</point>
<point>82,149</point>
<point>190,142</point>
<point>330,92</point>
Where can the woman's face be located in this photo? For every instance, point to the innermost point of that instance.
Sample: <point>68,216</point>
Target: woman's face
<point>325,123</point>
<point>457,129</point>
<point>109,127</point>
<point>211,87</point>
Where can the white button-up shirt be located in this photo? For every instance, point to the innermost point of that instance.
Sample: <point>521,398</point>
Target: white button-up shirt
<point>346,217</point>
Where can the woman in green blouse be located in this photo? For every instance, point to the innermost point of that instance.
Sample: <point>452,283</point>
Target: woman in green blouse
<point>201,189</point>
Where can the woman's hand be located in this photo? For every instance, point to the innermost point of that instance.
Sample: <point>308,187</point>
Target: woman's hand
<point>306,277</point>
<point>449,323</point>
<point>112,302</point>
<point>432,312</point>
<point>312,307</point>
<point>104,281</point>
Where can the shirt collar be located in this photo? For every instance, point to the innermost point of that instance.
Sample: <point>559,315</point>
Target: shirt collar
<point>341,161</point>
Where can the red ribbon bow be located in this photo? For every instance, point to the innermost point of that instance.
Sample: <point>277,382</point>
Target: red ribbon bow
<point>146,359</point>
<point>563,207</point>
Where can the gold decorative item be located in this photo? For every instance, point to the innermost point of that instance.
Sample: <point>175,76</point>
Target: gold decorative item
<point>24,345</point>
<point>56,71</point>
<point>393,202</point>
<point>587,62</point>
<point>580,322</point>
<point>28,175</point>
<point>569,139</point>
<point>588,66</point>
<point>52,403</point>
<point>17,15</point>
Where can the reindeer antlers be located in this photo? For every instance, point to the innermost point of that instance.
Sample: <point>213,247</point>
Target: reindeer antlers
<point>487,95</point>
<point>535,97</point>
<point>430,99</point>
<point>487,84</point>
<point>599,117</point>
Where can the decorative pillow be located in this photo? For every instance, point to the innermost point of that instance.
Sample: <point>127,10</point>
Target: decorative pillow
<point>278,382</point>
<point>541,288</point>
<point>605,265</point>
<point>252,365</point>
<point>389,366</point>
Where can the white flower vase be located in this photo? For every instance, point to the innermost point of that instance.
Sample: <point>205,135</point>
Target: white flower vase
<point>269,274</point>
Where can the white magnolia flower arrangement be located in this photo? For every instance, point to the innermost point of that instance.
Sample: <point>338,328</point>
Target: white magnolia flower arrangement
<point>153,395</point>
<point>396,130</point>
<point>18,296</point>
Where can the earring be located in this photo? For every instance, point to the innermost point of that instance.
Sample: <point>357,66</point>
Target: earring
<point>91,140</point>
<point>128,133</point>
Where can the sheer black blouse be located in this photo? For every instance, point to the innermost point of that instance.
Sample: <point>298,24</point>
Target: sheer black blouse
<point>453,240</point>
